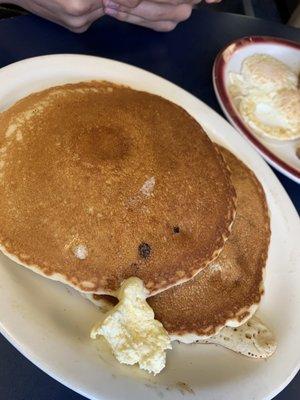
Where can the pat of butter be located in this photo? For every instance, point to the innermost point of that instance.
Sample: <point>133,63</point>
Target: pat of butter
<point>131,330</point>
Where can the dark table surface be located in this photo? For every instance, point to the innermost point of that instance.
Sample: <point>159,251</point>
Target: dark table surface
<point>185,57</point>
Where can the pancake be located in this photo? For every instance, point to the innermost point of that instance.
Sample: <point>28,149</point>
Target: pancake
<point>228,292</point>
<point>100,182</point>
<point>252,339</point>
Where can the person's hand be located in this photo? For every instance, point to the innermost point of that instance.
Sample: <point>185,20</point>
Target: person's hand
<point>160,15</point>
<point>154,14</point>
<point>76,15</point>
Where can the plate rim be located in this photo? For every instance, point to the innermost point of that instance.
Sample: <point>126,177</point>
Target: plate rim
<point>284,198</point>
<point>229,109</point>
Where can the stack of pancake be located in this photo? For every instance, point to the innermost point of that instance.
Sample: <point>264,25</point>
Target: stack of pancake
<point>99,183</point>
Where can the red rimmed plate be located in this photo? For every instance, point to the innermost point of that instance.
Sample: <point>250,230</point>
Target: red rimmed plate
<point>281,155</point>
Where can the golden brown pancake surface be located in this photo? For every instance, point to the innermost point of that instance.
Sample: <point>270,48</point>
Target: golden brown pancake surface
<point>232,284</point>
<point>100,182</point>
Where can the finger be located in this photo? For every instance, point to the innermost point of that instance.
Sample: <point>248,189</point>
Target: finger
<point>74,24</point>
<point>78,8</point>
<point>135,3</point>
<point>75,8</point>
<point>45,13</point>
<point>175,2</point>
<point>125,3</point>
<point>154,11</point>
<point>161,26</point>
<point>81,24</point>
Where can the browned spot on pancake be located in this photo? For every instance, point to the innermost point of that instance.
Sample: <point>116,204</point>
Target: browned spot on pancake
<point>144,250</point>
<point>176,229</point>
<point>96,143</point>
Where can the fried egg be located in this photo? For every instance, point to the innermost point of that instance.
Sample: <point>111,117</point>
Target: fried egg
<point>275,115</point>
<point>267,96</point>
<point>265,73</point>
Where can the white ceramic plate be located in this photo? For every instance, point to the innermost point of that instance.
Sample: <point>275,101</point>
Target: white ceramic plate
<point>281,155</point>
<point>50,323</point>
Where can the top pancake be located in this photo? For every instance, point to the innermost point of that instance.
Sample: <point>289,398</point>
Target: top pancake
<point>229,290</point>
<point>100,182</point>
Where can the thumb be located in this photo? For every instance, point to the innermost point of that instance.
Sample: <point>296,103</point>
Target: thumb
<point>126,3</point>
